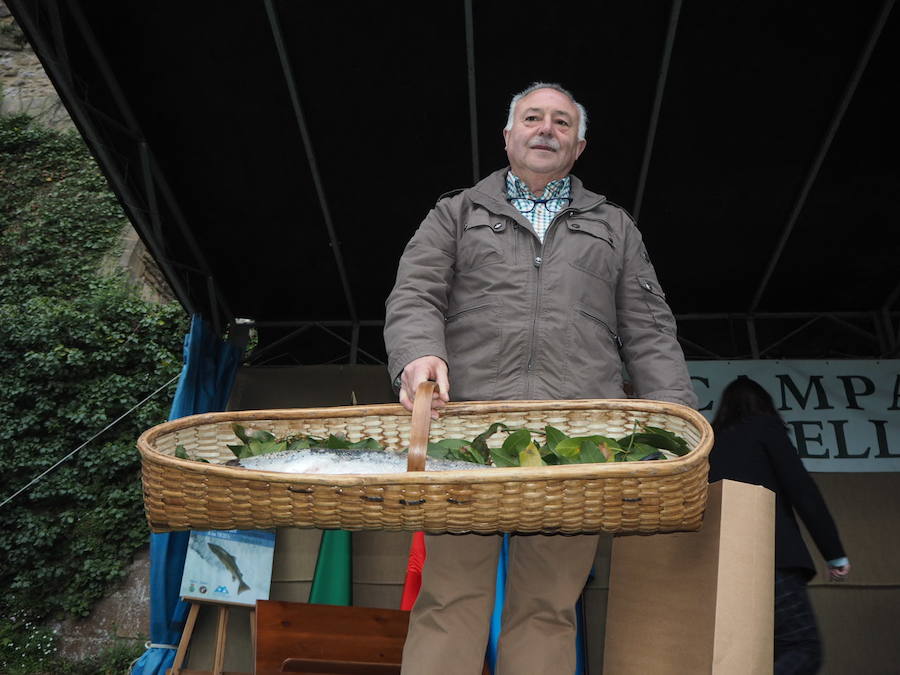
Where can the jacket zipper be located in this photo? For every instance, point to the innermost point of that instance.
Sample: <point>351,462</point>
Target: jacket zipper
<point>450,317</point>
<point>515,243</point>
<point>538,261</point>
<point>615,338</point>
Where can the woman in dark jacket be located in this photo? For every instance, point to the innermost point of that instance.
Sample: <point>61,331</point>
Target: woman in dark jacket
<point>752,446</point>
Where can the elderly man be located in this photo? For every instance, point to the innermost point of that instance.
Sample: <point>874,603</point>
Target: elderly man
<point>525,286</point>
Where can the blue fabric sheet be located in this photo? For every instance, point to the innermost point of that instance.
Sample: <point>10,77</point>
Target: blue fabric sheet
<point>210,366</point>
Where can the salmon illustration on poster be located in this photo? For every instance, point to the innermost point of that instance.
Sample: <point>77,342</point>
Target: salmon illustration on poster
<point>228,566</point>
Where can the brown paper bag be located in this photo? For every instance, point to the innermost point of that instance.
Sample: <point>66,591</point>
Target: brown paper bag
<point>697,602</point>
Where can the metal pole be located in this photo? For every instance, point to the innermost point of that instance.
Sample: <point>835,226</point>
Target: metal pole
<point>256,353</point>
<point>175,209</point>
<point>473,107</point>
<point>790,335</point>
<point>657,105</point>
<point>354,343</point>
<point>340,323</point>
<point>853,329</point>
<point>751,334</point>
<point>823,148</point>
<point>150,188</point>
<point>131,122</point>
<point>213,306</point>
<point>700,348</point>
<point>310,154</point>
<point>347,342</point>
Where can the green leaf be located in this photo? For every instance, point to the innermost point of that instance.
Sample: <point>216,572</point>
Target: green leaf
<point>639,451</point>
<point>267,447</point>
<point>517,441</point>
<point>261,436</point>
<point>554,436</point>
<point>241,433</point>
<point>180,452</point>
<point>502,459</point>
<point>479,444</point>
<point>568,450</point>
<point>298,443</point>
<point>442,449</point>
<point>366,444</point>
<point>337,442</point>
<point>679,445</point>
<point>530,456</point>
<point>467,454</point>
<point>590,451</point>
<point>239,450</point>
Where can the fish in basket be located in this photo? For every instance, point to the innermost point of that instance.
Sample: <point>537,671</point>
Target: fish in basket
<point>635,497</point>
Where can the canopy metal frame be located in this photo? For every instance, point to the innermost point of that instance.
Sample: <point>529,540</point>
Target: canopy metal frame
<point>151,204</point>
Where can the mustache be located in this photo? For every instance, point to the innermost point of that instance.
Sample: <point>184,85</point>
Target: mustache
<point>548,141</point>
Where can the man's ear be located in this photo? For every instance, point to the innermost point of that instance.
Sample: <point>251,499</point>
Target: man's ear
<point>581,144</point>
<point>505,138</point>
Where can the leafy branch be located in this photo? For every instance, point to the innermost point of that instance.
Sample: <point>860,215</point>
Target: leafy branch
<point>519,448</point>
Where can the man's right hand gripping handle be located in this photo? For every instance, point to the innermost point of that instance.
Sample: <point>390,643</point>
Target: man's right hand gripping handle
<point>420,370</point>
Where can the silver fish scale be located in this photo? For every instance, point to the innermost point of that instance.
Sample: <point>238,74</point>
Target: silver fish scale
<point>328,461</point>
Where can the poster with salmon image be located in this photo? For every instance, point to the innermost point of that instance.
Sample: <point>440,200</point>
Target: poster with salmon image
<point>228,566</point>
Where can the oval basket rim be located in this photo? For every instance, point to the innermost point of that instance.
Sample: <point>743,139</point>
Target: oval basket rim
<point>588,471</point>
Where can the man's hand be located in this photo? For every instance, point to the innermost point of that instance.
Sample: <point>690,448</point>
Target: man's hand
<point>421,370</point>
<point>839,573</point>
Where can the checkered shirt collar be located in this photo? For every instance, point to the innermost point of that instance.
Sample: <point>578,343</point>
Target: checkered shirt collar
<point>540,217</point>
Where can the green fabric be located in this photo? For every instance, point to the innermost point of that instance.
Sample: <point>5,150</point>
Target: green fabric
<point>333,580</point>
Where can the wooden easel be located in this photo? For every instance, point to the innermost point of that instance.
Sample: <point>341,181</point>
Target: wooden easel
<point>221,634</point>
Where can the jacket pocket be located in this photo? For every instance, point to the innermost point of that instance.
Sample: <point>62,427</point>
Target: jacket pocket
<point>593,316</point>
<point>473,338</point>
<point>480,245</point>
<point>657,307</point>
<point>593,366</point>
<point>592,247</point>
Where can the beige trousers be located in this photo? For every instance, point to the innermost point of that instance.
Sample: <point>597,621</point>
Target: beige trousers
<point>450,622</point>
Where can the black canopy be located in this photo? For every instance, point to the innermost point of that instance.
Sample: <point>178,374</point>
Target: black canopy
<point>276,155</point>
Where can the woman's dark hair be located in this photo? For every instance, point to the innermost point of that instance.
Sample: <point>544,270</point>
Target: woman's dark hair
<point>741,399</point>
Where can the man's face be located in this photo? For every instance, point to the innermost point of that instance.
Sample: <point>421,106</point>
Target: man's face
<point>543,141</point>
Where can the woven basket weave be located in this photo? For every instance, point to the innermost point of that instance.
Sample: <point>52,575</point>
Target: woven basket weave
<point>624,497</point>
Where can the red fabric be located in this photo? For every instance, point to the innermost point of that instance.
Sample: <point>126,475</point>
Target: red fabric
<point>413,581</point>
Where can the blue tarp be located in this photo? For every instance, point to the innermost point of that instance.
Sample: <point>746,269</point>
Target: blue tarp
<point>210,366</point>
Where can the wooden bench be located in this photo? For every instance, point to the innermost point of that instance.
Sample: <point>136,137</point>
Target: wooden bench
<point>295,637</point>
<point>298,637</point>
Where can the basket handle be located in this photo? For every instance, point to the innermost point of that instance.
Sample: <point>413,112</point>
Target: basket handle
<point>421,425</point>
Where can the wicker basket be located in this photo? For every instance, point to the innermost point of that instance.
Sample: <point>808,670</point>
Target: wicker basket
<point>625,497</point>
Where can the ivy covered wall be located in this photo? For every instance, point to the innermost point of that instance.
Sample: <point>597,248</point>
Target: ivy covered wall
<point>78,348</point>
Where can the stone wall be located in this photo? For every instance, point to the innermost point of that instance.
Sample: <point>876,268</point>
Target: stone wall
<point>25,88</point>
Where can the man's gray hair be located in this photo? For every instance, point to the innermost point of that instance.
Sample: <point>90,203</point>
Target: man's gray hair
<point>582,113</point>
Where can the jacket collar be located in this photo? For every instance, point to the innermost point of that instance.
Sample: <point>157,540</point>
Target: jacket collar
<point>490,192</point>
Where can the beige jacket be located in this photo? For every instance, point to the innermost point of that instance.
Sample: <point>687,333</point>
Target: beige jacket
<point>517,319</point>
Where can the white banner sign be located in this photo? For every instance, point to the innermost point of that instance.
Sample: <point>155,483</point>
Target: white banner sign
<point>842,415</point>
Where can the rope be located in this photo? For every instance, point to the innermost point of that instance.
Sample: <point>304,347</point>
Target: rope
<point>102,431</point>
